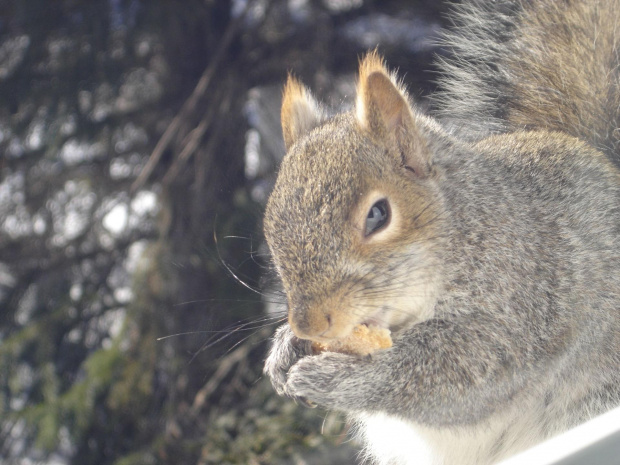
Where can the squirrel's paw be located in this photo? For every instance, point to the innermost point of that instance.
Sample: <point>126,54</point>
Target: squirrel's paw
<point>287,349</point>
<point>331,380</point>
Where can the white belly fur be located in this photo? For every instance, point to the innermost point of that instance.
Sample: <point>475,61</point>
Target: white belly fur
<point>389,440</point>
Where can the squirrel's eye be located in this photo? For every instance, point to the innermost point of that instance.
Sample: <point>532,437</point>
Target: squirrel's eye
<point>378,216</point>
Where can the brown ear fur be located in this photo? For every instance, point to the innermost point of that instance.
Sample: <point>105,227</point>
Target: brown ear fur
<point>300,112</point>
<point>384,110</point>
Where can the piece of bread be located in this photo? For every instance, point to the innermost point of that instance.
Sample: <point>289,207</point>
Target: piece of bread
<point>363,340</point>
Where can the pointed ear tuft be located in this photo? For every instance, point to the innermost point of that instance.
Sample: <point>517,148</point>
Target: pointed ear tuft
<point>300,112</point>
<point>383,109</point>
<point>370,64</point>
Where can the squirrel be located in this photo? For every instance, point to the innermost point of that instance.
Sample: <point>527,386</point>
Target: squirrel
<point>486,238</point>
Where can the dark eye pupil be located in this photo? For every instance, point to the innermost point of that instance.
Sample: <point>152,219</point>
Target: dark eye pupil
<point>377,217</point>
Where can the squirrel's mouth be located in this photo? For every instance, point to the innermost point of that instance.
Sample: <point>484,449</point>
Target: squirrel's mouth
<point>381,319</point>
<point>377,319</point>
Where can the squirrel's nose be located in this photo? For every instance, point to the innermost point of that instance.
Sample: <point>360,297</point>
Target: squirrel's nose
<point>307,322</point>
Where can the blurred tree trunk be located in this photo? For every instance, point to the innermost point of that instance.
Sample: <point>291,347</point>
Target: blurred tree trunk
<point>126,206</point>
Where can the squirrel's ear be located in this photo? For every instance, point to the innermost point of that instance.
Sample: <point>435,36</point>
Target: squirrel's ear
<point>383,109</point>
<point>300,112</point>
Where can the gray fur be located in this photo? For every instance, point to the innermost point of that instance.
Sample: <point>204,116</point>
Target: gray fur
<point>518,231</point>
<point>534,65</point>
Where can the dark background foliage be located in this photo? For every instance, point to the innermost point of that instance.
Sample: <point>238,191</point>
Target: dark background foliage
<point>138,142</point>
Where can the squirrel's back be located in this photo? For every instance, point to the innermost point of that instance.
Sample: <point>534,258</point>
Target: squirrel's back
<point>546,64</point>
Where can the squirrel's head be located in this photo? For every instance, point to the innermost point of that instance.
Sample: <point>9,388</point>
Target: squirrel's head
<point>352,220</point>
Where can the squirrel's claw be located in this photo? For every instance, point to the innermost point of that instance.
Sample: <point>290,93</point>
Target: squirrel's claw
<point>304,402</point>
<point>327,380</point>
<point>286,351</point>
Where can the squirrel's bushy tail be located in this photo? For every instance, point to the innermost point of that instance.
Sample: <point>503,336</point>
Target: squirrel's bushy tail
<point>552,64</point>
